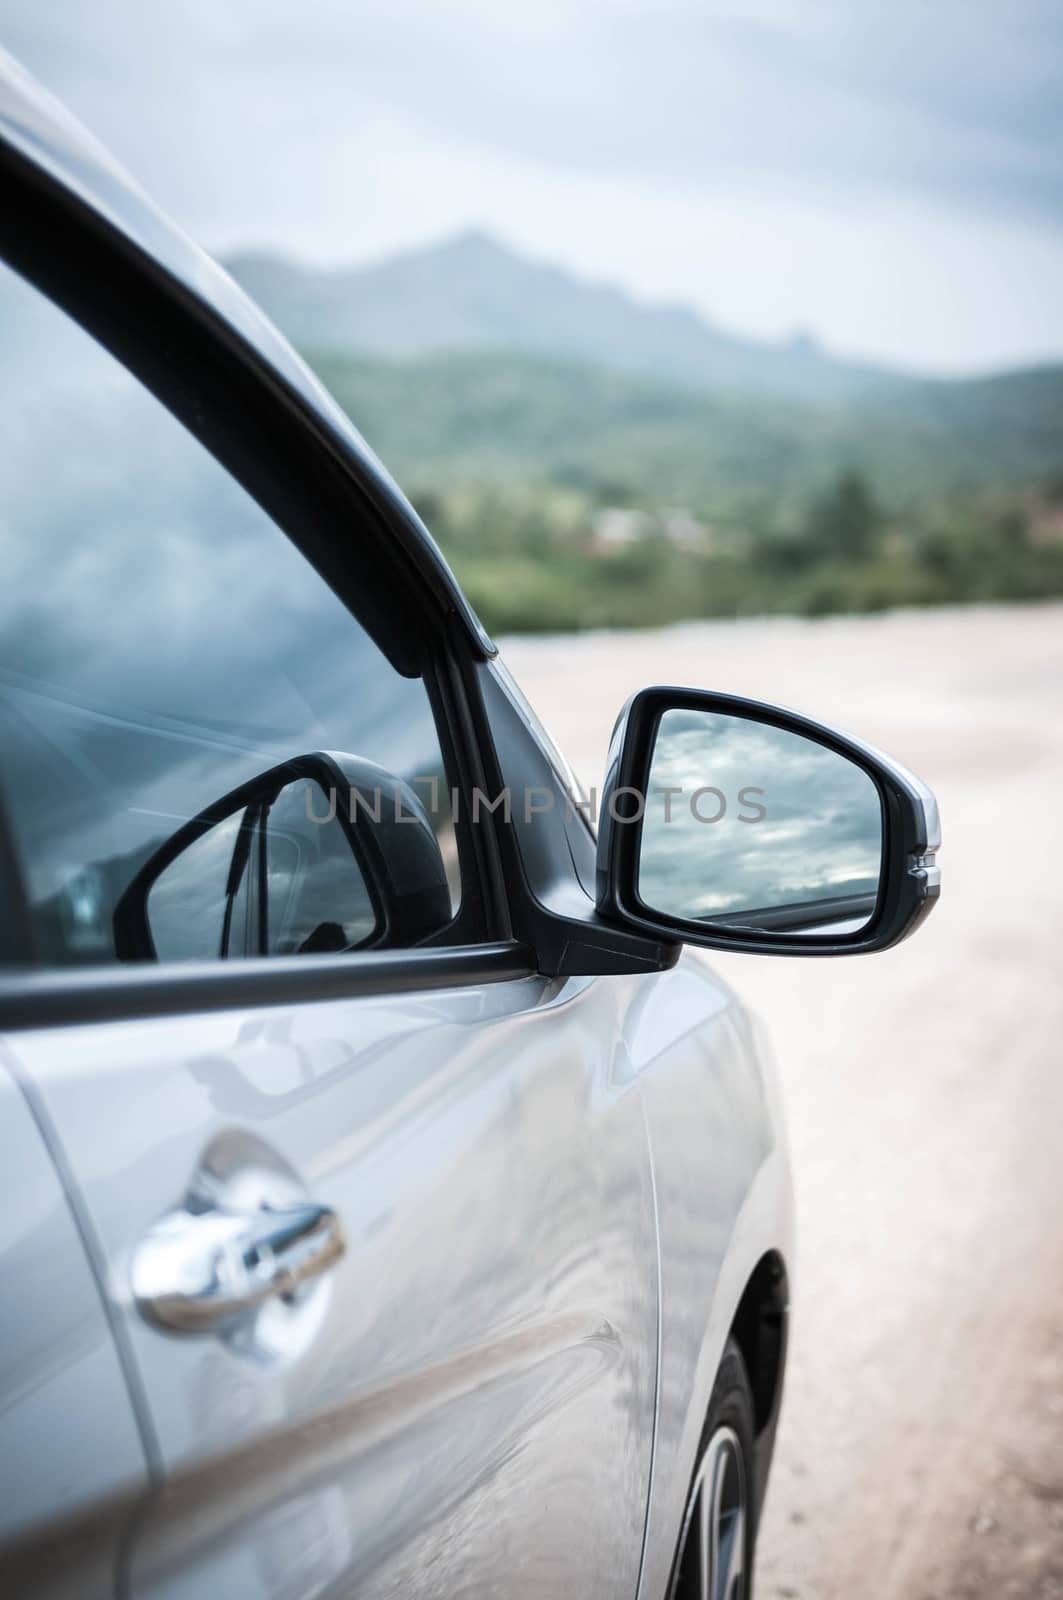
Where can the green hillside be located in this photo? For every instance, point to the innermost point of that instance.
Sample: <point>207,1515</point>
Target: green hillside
<point>585,459</point>
<point>500,417</point>
<point>567,496</point>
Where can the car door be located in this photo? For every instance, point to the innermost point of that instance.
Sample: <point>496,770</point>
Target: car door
<point>374,1226</point>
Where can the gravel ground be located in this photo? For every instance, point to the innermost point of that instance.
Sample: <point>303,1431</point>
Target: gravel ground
<point>921,1448</point>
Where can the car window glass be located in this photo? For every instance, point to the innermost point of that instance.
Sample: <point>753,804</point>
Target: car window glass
<point>162,643</point>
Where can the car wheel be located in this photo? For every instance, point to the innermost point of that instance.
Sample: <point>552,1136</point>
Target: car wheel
<point>714,1560</point>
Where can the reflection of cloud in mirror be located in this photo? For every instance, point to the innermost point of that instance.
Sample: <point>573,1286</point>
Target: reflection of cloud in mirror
<point>820,835</point>
<point>163,642</point>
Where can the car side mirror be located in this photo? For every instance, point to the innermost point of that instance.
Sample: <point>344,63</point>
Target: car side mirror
<point>324,853</point>
<point>733,824</point>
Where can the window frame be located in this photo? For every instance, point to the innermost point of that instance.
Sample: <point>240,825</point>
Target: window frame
<point>244,414</point>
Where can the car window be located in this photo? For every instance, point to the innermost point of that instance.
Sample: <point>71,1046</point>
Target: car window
<point>163,645</point>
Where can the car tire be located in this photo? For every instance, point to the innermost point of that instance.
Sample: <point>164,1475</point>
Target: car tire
<point>714,1558</point>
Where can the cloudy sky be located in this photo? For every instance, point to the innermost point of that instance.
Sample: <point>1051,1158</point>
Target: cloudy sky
<point>886,174</point>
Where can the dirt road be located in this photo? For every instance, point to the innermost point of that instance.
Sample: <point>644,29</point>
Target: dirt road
<point>921,1447</point>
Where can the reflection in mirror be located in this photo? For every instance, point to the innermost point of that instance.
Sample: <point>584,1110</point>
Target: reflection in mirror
<point>751,825</point>
<point>186,906</point>
<point>316,898</point>
<point>274,878</point>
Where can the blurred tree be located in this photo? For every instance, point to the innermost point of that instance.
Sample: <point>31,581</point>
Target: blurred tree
<point>845,522</point>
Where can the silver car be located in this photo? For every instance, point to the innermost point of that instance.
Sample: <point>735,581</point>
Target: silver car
<point>388,1205</point>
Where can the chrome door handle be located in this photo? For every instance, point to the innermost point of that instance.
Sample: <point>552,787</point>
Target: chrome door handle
<point>196,1272</point>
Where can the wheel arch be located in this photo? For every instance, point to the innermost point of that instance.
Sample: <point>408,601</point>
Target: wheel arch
<point>760,1328</point>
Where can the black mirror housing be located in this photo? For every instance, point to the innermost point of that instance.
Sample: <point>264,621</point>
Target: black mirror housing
<point>902,892</point>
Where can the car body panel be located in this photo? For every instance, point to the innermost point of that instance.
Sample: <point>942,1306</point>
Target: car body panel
<point>473,1405</point>
<point>72,1464</point>
<point>724,1193</point>
<point>479,1403</point>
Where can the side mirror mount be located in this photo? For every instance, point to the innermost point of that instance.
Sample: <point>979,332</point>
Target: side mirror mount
<point>325,853</point>
<point>737,825</point>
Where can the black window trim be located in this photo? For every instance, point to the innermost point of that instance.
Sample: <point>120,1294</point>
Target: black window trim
<point>38,997</point>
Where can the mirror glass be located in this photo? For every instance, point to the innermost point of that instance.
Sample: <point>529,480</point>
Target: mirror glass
<point>746,824</point>
<point>270,879</point>
<point>186,906</point>
<point>316,899</point>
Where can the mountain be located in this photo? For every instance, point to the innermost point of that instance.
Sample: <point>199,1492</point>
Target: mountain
<point>473,293</point>
<point>467,362</point>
